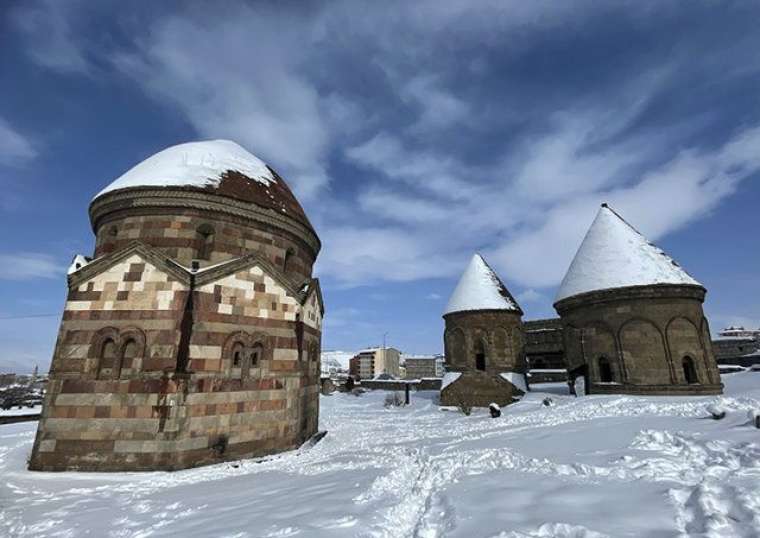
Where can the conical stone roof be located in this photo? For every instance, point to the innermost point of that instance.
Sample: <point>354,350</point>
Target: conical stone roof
<point>615,255</point>
<point>479,288</point>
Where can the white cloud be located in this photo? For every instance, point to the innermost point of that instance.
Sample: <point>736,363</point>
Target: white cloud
<point>29,266</point>
<point>664,200</point>
<point>240,76</point>
<point>433,297</point>
<point>15,148</point>
<point>50,37</point>
<point>288,86</point>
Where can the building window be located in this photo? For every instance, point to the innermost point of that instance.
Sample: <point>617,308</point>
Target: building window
<point>605,370</point>
<point>288,260</point>
<point>237,355</point>
<point>257,354</point>
<point>206,241</point>
<point>689,370</point>
<point>107,359</point>
<point>128,353</point>
<point>480,356</point>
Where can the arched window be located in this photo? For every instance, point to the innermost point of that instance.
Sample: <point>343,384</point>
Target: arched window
<point>238,353</point>
<point>107,359</point>
<point>689,370</point>
<point>206,241</point>
<point>480,356</point>
<point>287,261</point>
<point>605,370</point>
<point>128,353</point>
<point>257,353</point>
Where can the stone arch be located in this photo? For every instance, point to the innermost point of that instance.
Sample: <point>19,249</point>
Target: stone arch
<point>643,349</point>
<point>502,345</point>
<point>689,369</point>
<point>684,340</point>
<point>456,346</point>
<point>710,364</point>
<point>600,352</point>
<point>241,352</point>
<point>287,261</point>
<point>104,349</point>
<point>604,369</point>
<point>131,352</point>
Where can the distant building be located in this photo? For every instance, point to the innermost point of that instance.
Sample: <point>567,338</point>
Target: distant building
<point>737,345</point>
<point>544,347</point>
<point>7,379</point>
<point>740,332</point>
<point>372,362</point>
<point>418,367</point>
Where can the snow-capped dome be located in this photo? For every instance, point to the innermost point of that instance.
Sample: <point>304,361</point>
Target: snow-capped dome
<point>480,289</point>
<point>219,166</point>
<point>614,255</point>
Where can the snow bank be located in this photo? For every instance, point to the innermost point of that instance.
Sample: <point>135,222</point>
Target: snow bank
<point>479,288</point>
<point>614,255</point>
<point>449,378</point>
<point>518,380</point>
<point>194,164</point>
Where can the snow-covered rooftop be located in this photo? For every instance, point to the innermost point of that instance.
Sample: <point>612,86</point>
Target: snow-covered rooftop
<point>480,289</point>
<point>194,164</point>
<point>614,255</point>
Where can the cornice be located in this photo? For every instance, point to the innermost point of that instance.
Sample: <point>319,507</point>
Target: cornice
<point>651,291</point>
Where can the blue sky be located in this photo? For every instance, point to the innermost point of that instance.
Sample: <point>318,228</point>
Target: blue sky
<point>413,133</point>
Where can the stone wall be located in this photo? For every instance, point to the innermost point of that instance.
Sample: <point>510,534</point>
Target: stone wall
<point>156,368</point>
<point>635,340</point>
<point>733,350</point>
<point>481,345</point>
<point>189,234</point>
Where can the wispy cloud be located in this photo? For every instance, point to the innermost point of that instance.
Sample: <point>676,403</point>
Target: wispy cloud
<point>51,41</point>
<point>15,148</point>
<point>29,266</point>
<point>411,152</point>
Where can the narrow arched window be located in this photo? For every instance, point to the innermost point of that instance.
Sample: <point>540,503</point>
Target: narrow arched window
<point>689,370</point>
<point>480,356</point>
<point>238,352</point>
<point>605,370</point>
<point>107,359</point>
<point>288,260</point>
<point>205,241</point>
<point>128,354</point>
<point>257,353</point>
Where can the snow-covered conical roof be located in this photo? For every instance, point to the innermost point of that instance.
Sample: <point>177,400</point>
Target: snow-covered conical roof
<point>614,255</point>
<point>219,166</point>
<point>480,289</point>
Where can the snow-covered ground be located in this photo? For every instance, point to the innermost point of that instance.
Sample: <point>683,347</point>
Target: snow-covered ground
<point>586,467</point>
<point>36,410</point>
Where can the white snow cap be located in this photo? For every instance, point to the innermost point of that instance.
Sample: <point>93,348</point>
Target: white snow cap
<point>194,164</point>
<point>614,255</point>
<point>79,261</point>
<point>480,289</point>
